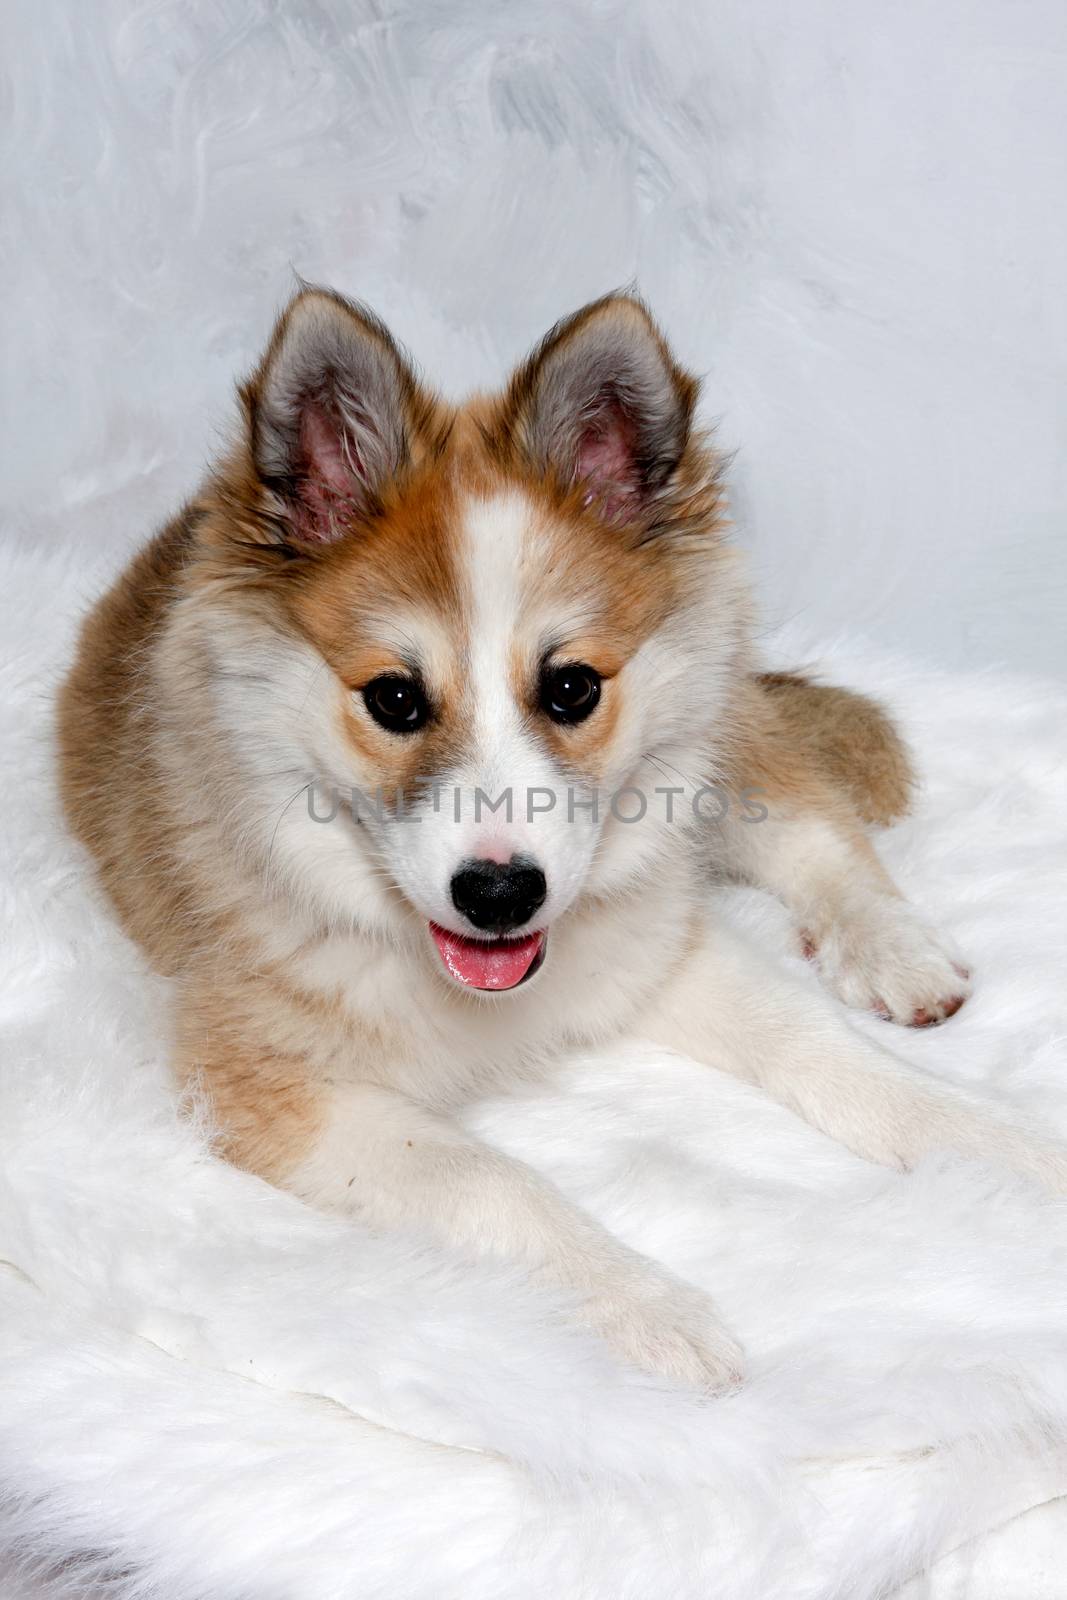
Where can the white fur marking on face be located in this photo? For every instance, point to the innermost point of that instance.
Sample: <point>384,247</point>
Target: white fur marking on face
<point>504,759</point>
<point>506,756</point>
<point>496,532</point>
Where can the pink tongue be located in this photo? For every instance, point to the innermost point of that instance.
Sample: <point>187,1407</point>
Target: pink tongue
<point>497,965</point>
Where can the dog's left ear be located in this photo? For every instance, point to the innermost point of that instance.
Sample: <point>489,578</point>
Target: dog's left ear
<point>602,402</point>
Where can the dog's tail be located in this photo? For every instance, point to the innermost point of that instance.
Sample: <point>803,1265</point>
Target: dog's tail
<point>849,739</point>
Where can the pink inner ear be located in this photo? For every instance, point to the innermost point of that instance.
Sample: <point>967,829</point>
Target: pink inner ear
<point>606,461</point>
<point>331,490</point>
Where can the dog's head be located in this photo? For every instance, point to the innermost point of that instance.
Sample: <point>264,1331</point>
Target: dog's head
<point>460,634</point>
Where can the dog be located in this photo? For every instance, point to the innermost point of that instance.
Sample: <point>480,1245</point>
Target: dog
<point>502,629</point>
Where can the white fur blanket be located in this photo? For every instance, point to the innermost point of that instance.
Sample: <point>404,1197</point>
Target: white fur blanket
<point>212,1393</point>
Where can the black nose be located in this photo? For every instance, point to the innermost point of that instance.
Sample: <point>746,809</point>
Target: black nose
<point>499,896</point>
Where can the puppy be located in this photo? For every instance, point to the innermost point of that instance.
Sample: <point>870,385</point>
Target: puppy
<point>514,639</point>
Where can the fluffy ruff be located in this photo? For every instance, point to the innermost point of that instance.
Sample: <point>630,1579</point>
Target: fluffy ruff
<point>211,1392</point>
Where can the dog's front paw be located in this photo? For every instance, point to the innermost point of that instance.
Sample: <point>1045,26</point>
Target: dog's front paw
<point>669,1328</point>
<point>883,957</point>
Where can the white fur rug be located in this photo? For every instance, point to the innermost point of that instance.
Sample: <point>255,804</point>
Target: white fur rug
<point>211,1393</point>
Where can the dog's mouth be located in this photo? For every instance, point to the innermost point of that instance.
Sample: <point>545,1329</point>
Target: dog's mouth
<point>494,964</point>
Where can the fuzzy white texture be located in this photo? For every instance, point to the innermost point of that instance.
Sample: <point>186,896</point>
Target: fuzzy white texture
<point>849,216</point>
<point>849,219</point>
<point>212,1392</point>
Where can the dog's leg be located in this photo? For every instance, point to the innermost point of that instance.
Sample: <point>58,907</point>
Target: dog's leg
<point>727,1007</point>
<point>873,949</point>
<point>824,761</point>
<point>378,1156</point>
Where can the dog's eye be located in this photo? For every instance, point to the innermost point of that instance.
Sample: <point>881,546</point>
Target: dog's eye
<point>396,703</point>
<point>571,692</point>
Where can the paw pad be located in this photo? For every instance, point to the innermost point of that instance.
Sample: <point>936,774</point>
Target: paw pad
<point>925,1018</point>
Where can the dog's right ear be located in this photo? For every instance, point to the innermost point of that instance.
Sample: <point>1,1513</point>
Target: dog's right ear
<point>334,412</point>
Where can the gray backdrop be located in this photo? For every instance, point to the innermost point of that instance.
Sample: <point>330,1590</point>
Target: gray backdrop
<point>849,215</point>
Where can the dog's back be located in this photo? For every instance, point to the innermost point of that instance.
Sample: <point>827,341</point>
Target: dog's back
<point>107,717</point>
<point>845,737</point>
